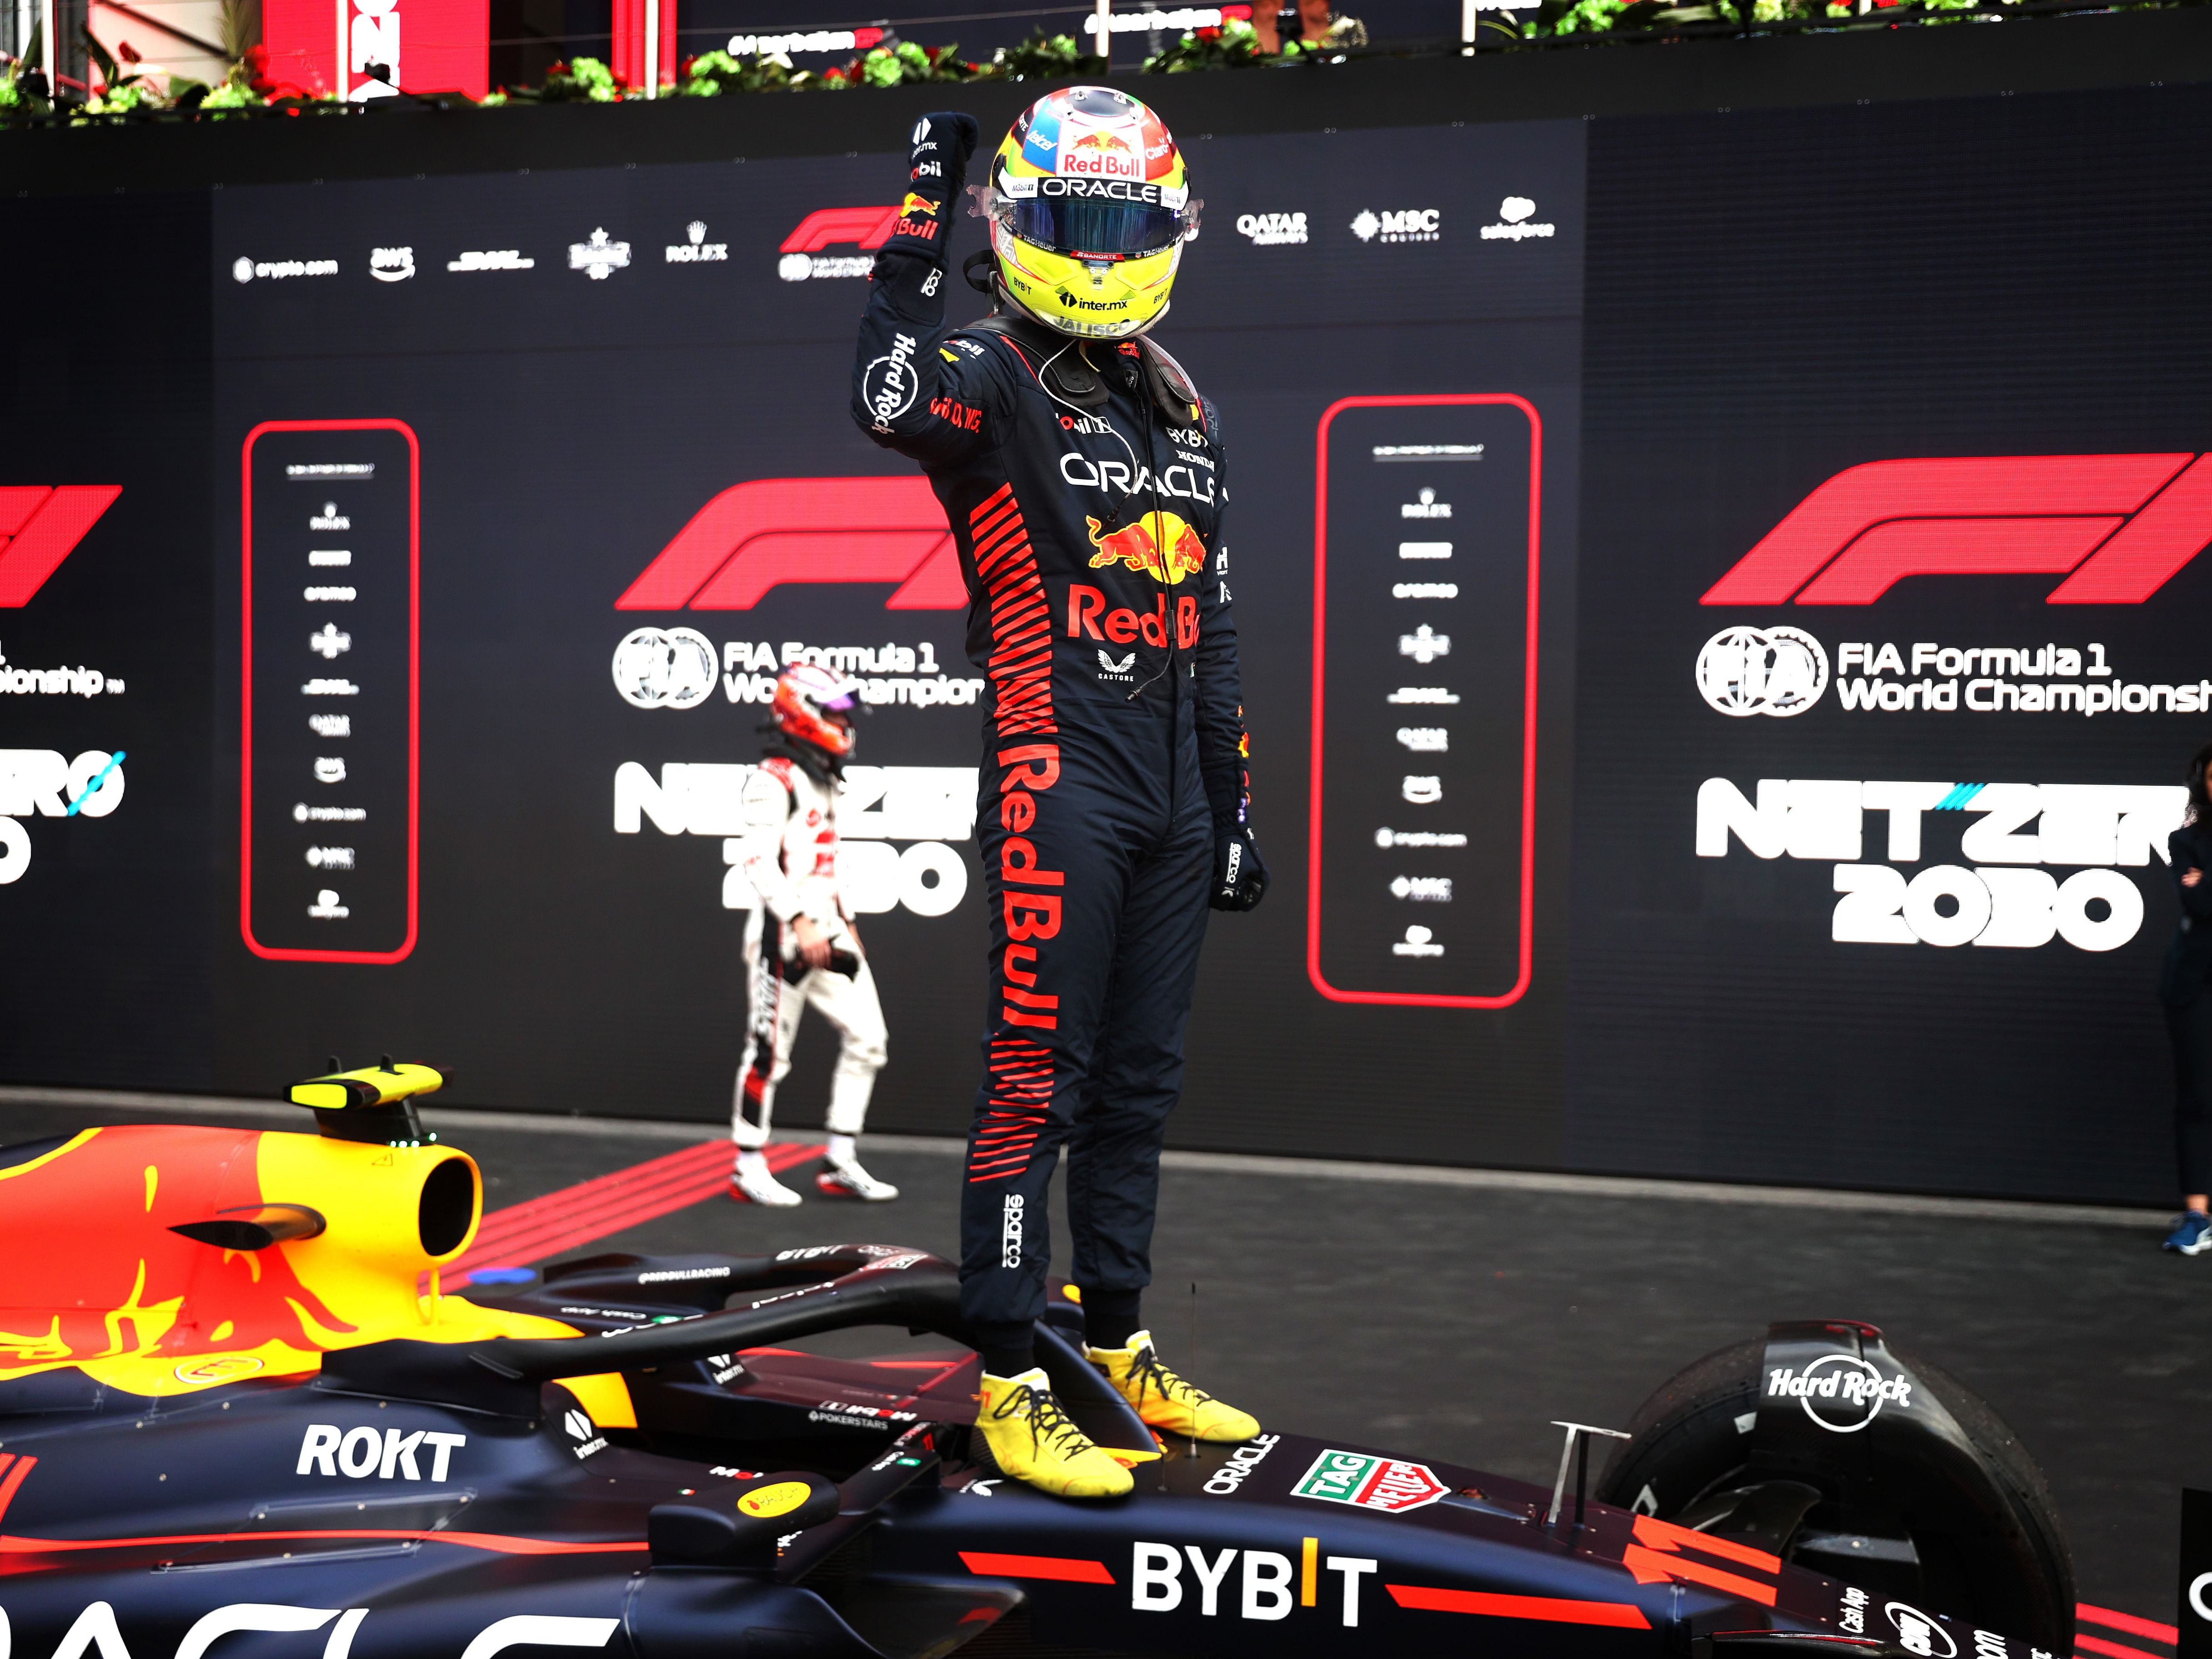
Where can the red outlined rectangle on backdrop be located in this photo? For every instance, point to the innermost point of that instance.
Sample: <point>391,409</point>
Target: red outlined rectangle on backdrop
<point>1527,882</point>
<point>277,953</point>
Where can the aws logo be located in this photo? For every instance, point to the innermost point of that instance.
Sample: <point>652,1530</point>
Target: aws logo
<point>758,534</point>
<point>40,527</point>
<point>2118,527</point>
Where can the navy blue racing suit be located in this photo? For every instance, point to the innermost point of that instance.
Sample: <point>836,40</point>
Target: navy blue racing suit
<point>1084,483</point>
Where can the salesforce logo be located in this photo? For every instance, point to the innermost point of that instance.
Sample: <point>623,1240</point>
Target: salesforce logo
<point>1515,217</point>
<point>1762,670</point>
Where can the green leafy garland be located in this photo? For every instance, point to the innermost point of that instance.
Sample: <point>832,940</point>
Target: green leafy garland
<point>126,91</point>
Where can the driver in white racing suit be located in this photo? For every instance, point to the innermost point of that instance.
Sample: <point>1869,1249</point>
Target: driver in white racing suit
<point>800,942</point>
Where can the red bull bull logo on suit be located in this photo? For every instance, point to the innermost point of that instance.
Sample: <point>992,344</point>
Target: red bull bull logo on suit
<point>1159,544</point>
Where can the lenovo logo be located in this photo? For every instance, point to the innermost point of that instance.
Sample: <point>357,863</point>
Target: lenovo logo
<point>2122,524</point>
<point>40,527</point>
<point>767,530</point>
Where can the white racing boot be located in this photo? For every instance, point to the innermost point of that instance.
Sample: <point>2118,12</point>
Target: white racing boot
<point>845,1178</point>
<point>752,1182</point>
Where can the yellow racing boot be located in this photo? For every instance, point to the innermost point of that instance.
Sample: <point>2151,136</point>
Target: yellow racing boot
<point>1032,1439</point>
<point>1164,1400</point>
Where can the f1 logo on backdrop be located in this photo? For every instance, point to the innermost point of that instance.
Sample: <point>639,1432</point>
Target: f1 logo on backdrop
<point>40,527</point>
<point>756,535</point>
<point>865,228</point>
<point>2121,525</point>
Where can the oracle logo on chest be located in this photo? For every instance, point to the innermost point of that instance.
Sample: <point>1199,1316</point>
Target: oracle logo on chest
<point>1177,483</point>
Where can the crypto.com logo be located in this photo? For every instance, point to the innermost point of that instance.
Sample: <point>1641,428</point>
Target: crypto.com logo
<point>40,527</point>
<point>2123,524</point>
<point>756,535</point>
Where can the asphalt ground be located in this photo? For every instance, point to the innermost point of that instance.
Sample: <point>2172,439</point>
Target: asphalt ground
<point>1454,1323</point>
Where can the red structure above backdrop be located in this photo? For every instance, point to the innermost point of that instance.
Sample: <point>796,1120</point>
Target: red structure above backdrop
<point>428,46</point>
<point>634,42</point>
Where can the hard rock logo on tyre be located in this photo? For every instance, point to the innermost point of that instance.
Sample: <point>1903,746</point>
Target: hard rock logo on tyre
<point>1840,1392</point>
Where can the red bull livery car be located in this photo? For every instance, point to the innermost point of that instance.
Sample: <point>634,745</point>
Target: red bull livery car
<point>242,1418</point>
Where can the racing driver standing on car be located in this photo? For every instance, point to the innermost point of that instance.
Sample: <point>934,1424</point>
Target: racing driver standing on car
<point>1082,473</point>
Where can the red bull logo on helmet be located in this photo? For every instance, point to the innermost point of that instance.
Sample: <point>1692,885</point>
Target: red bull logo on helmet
<point>1159,544</point>
<point>1099,154</point>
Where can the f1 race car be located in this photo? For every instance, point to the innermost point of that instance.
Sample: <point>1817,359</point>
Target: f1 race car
<point>240,1415</point>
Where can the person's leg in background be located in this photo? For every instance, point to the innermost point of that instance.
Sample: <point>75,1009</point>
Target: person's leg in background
<point>863,1045</point>
<point>772,1021</point>
<point>2189,1029</point>
<point>1113,1150</point>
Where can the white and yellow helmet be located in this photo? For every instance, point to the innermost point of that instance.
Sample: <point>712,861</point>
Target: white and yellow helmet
<point>1088,209</point>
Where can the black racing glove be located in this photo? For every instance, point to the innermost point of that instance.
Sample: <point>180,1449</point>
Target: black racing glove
<point>937,171</point>
<point>1240,879</point>
<point>796,968</point>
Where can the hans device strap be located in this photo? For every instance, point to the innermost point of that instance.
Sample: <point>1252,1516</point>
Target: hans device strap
<point>1073,378</point>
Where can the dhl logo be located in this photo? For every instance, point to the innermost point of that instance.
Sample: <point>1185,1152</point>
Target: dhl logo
<point>1159,544</point>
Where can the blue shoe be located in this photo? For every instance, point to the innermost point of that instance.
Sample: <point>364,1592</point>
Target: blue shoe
<point>2193,1236</point>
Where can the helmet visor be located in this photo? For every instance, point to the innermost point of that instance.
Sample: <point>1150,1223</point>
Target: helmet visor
<point>1074,225</point>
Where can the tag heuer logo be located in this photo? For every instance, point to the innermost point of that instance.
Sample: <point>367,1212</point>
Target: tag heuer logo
<point>1372,1483</point>
<point>596,257</point>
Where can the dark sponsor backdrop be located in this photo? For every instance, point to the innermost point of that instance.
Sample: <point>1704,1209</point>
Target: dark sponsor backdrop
<point>1775,298</point>
<point>573,950</point>
<point>105,932</point>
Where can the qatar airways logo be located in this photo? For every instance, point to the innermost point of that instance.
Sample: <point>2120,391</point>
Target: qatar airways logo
<point>2116,527</point>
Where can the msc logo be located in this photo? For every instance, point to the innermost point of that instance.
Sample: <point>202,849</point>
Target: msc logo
<point>40,527</point>
<point>2122,524</point>
<point>766,530</point>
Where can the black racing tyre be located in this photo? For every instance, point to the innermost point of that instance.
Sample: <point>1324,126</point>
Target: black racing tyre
<point>1969,1531</point>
